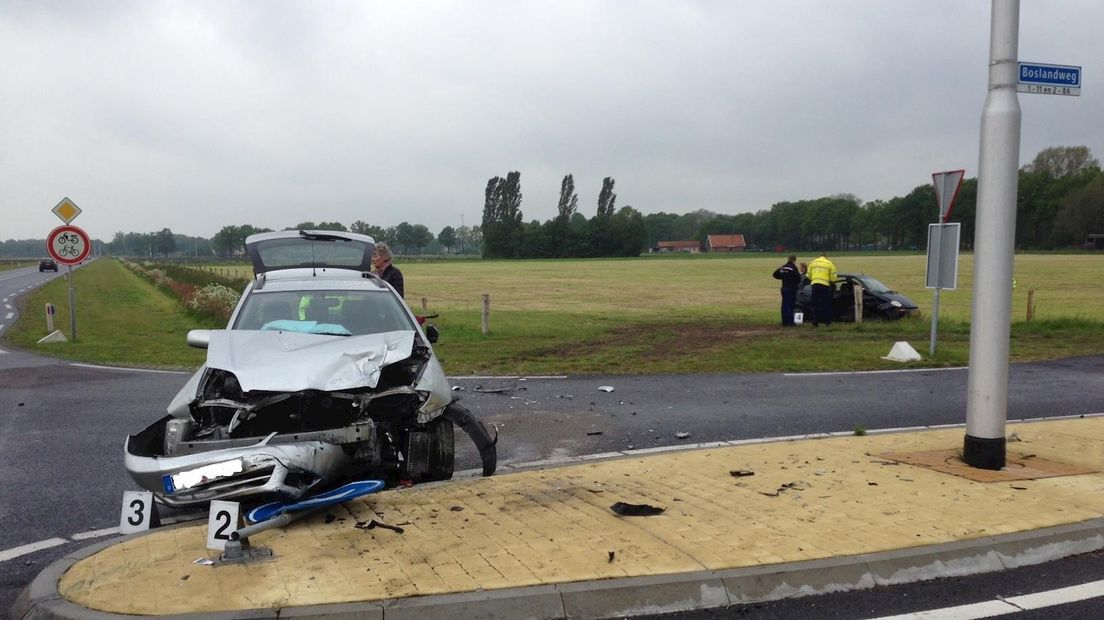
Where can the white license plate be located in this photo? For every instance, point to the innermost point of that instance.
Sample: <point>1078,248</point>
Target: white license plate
<point>201,475</point>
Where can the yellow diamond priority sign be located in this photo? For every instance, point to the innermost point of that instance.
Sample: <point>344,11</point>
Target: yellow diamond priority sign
<point>66,210</point>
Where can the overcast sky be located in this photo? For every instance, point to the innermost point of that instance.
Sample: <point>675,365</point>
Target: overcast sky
<point>196,115</point>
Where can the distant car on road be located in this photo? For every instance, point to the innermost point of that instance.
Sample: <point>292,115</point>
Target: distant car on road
<point>879,301</point>
<point>47,264</point>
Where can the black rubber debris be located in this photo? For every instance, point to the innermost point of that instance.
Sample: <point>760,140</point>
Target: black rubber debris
<point>636,510</point>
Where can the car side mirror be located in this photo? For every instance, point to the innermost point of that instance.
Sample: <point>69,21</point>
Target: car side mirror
<point>199,338</point>
<point>431,333</point>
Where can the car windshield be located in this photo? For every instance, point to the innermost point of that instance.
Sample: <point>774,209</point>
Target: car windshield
<point>336,313</point>
<point>872,285</point>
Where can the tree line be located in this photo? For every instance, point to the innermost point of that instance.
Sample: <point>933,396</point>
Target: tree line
<point>1060,201</point>
<point>570,234</point>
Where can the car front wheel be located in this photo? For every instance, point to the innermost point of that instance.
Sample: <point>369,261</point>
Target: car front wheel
<point>442,449</point>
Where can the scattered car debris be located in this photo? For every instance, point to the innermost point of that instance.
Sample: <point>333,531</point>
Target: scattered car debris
<point>611,554</point>
<point>501,390</point>
<point>1014,437</point>
<point>592,433</point>
<point>682,435</point>
<point>605,388</point>
<point>797,485</point>
<point>636,510</point>
<point>1017,488</point>
<point>457,388</point>
<point>740,473</point>
<point>373,524</point>
<point>456,508</point>
<point>204,561</point>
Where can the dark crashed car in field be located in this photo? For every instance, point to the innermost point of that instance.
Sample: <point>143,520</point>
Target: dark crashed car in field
<point>323,375</point>
<point>879,301</point>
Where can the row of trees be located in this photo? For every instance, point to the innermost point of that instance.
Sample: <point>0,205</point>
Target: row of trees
<point>1061,200</point>
<point>569,234</point>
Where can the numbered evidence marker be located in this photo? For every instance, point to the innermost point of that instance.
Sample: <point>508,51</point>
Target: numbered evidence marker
<point>223,519</point>
<point>139,512</point>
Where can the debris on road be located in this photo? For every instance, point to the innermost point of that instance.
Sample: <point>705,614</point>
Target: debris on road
<point>373,524</point>
<point>592,433</point>
<point>740,473</point>
<point>636,510</point>
<point>682,435</point>
<point>605,388</point>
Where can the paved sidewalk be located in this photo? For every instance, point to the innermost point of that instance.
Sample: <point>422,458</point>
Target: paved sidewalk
<point>804,516</point>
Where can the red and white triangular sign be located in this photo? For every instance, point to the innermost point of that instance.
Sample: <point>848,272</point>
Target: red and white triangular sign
<point>946,190</point>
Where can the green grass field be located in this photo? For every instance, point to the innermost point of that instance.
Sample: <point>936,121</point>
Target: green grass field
<point>678,314</point>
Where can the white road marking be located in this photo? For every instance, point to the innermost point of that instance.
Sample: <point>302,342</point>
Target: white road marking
<point>11,554</point>
<point>868,372</point>
<point>1009,605</point>
<point>9,316</point>
<point>110,531</point>
<point>1070,594</point>
<point>986,609</point>
<point>509,377</point>
<point>164,372</point>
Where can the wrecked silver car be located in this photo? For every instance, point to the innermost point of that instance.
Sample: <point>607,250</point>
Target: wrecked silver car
<point>323,375</point>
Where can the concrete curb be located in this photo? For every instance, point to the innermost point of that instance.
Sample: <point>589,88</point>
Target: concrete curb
<point>644,595</point>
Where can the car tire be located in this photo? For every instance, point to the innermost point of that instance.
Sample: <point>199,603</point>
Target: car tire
<point>442,449</point>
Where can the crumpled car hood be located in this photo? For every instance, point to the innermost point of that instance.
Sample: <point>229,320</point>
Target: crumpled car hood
<point>279,361</point>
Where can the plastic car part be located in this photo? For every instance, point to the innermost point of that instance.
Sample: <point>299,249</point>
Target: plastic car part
<point>475,429</point>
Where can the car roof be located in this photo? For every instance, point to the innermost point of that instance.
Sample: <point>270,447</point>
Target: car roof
<point>296,249</point>
<point>316,279</point>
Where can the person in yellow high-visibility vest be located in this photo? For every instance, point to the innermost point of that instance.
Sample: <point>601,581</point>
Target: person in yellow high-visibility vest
<point>822,275</point>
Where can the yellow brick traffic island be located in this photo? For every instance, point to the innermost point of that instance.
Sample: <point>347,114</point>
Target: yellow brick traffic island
<point>806,499</point>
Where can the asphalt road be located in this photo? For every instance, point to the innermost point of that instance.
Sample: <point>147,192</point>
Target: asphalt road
<point>62,425</point>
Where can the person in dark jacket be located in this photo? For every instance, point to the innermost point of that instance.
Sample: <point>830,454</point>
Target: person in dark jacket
<point>381,261</point>
<point>791,280</point>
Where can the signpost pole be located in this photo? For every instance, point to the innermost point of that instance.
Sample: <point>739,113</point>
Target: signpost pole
<point>72,305</point>
<point>935,297</point>
<point>991,312</point>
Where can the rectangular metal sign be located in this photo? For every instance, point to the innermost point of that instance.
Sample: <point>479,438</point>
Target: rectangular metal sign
<point>943,255</point>
<point>1044,79</point>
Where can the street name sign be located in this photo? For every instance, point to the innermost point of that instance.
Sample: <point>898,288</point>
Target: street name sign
<point>1044,79</point>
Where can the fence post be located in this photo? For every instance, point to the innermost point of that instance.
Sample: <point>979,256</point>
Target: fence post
<point>1030,304</point>
<point>485,315</point>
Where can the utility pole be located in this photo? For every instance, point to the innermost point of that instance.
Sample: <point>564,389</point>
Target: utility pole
<point>991,323</point>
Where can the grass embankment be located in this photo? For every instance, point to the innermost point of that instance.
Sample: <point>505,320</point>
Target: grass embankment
<point>713,314</point>
<point>121,319</point>
<point>15,263</point>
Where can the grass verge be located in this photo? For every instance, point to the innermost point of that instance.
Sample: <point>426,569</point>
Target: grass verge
<point>578,317</point>
<point>121,320</point>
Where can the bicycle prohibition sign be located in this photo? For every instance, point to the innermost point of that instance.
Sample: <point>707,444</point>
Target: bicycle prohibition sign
<point>68,245</point>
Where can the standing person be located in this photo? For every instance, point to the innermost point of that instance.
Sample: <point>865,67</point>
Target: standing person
<point>791,280</point>
<point>381,261</point>
<point>822,274</point>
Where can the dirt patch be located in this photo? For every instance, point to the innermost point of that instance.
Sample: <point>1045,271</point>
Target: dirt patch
<point>662,339</point>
